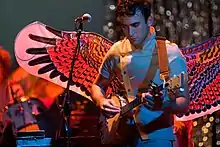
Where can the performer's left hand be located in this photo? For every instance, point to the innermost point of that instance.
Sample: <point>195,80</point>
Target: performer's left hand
<point>153,102</point>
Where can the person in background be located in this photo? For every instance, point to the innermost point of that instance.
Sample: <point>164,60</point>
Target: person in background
<point>6,86</point>
<point>5,65</point>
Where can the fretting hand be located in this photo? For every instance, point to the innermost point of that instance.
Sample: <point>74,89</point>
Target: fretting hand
<point>152,102</point>
<point>154,98</point>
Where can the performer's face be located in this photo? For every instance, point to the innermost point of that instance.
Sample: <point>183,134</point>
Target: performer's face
<point>135,28</point>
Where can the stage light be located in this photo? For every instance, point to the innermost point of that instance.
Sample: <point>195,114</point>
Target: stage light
<point>201,143</point>
<point>161,10</point>
<point>195,123</point>
<point>168,13</point>
<point>110,24</point>
<point>171,18</point>
<point>205,138</point>
<point>189,4</point>
<point>105,28</point>
<point>208,124</point>
<point>112,7</point>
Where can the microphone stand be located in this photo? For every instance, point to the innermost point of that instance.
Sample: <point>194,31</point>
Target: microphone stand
<point>66,103</point>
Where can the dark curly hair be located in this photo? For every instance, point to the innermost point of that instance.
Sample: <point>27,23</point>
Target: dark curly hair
<point>129,7</point>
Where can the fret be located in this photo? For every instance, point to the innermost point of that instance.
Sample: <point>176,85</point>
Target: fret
<point>130,106</point>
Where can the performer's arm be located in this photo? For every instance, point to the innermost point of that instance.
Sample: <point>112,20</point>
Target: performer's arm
<point>97,93</point>
<point>106,105</point>
<point>180,104</point>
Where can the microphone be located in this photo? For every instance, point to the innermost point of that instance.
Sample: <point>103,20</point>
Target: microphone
<point>85,18</point>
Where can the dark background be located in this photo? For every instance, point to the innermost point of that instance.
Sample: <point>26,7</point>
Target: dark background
<point>15,15</point>
<point>184,22</point>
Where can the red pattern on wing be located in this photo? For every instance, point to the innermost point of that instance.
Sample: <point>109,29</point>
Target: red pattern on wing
<point>87,61</point>
<point>203,63</point>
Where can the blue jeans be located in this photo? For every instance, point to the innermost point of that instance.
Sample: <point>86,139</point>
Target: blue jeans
<point>131,138</point>
<point>153,143</point>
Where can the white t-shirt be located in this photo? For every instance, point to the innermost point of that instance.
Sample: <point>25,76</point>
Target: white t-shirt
<point>138,64</point>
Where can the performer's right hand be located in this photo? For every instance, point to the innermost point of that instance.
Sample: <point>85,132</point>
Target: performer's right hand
<point>109,107</point>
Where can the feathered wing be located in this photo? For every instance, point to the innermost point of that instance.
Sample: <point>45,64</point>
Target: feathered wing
<point>203,63</point>
<point>47,53</point>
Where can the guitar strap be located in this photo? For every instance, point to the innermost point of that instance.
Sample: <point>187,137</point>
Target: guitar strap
<point>163,58</point>
<point>164,75</point>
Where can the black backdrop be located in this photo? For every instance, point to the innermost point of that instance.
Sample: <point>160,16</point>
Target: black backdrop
<point>14,15</point>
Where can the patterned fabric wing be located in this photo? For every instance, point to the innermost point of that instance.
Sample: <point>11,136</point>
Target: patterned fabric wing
<point>48,53</point>
<point>203,63</point>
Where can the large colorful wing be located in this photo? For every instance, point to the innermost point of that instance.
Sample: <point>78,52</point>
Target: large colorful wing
<point>203,63</point>
<point>47,53</point>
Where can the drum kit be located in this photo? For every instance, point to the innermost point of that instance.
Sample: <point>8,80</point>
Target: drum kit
<point>38,96</point>
<point>37,113</point>
<point>31,116</point>
<point>21,124</point>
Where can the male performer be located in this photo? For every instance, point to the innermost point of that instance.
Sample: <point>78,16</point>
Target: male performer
<point>139,53</point>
